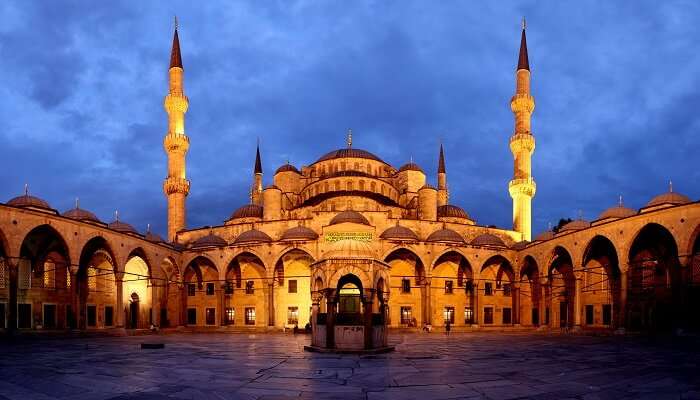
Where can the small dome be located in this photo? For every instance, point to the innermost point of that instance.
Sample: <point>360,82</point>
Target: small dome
<point>299,233</point>
<point>618,211</point>
<point>122,227</point>
<point>670,198</point>
<point>251,236</point>
<point>445,235</point>
<point>349,153</point>
<point>350,248</point>
<point>575,225</point>
<point>27,200</point>
<point>428,186</point>
<point>349,216</point>
<point>79,214</point>
<point>520,245</point>
<point>411,167</point>
<point>488,239</point>
<point>287,168</point>
<point>399,232</point>
<point>210,240</point>
<point>248,211</point>
<point>544,236</point>
<point>154,237</point>
<point>448,210</point>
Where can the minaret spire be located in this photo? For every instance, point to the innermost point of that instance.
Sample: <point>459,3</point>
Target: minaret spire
<point>258,164</point>
<point>522,144</point>
<point>256,193</point>
<point>443,194</point>
<point>176,143</point>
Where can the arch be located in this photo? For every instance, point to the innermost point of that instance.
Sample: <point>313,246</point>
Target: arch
<point>137,292</point>
<point>350,279</point>
<point>194,268</point>
<point>601,283</point>
<point>445,251</point>
<point>141,253</point>
<point>504,267</point>
<point>530,293</point>
<point>4,245</point>
<point>40,241</point>
<point>561,286</point>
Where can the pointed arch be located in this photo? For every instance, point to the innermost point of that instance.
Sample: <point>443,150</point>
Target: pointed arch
<point>601,283</point>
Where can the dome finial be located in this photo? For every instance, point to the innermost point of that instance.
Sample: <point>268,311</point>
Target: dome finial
<point>77,203</point>
<point>116,215</point>
<point>524,24</point>
<point>549,225</point>
<point>349,139</point>
<point>26,189</point>
<point>670,186</point>
<point>580,214</point>
<point>148,226</point>
<point>620,201</point>
<point>176,22</point>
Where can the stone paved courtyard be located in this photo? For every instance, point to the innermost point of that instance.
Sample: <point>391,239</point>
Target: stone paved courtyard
<point>424,366</point>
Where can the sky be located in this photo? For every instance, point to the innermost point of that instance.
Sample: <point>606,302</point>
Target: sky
<point>616,87</point>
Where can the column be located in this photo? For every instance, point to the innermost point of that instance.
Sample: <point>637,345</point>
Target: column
<point>221,304</point>
<point>622,307</point>
<point>74,301</point>
<point>330,319</point>
<point>155,304</point>
<point>368,322</point>
<point>119,307</point>
<point>516,304</point>
<point>13,269</point>
<point>271,305</point>
<point>166,301</point>
<point>183,304</point>
<point>542,304</point>
<point>428,303</point>
<point>315,302</point>
<point>577,302</point>
<point>477,306</point>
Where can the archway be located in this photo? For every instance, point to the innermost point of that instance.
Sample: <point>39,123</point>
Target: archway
<point>601,285</point>
<point>95,287</point>
<point>407,308</point>
<point>137,293</point>
<point>499,306</point>
<point>201,301</point>
<point>561,289</point>
<point>654,280</point>
<point>530,293</point>
<point>692,283</point>
<point>247,292</point>
<point>170,308</point>
<point>453,291</point>
<point>291,288</point>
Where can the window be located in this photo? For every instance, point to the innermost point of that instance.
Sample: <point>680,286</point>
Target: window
<point>210,316</point>
<point>449,315</point>
<point>405,285</point>
<point>191,316</point>
<point>210,289</point>
<point>68,278</point>
<point>92,278</point>
<point>24,316</point>
<point>607,314</point>
<point>49,275</point>
<point>406,315</point>
<point>292,286</point>
<point>589,314</point>
<point>250,287</point>
<point>228,287</point>
<point>507,316</point>
<point>488,315</point>
<point>292,315</point>
<point>2,316</point>
<point>3,275</point>
<point>546,316</point>
<point>191,289</point>
<point>70,318</point>
<point>92,315</point>
<point>49,316</point>
<point>535,316</point>
<point>507,290</point>
<point>109,316</point>
<point>488,289</point>
<point>448,287</point>
<point>468,315</point>
<point>250,315</point>
<point>25,278</point>
<point>230,315</point>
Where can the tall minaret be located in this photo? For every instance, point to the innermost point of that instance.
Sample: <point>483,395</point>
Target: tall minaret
<point>176,143</point>
<point>443,194</point>
<point>257,189</point>
<point>522,145</point>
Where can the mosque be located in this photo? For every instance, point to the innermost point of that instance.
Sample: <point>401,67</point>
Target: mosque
<point>346,243</point>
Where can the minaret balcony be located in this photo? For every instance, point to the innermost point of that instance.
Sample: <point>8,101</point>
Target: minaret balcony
<point>522,186</point>
<point>176,103</point>
<point>522,103</point>
<point>176,185</point>
<point>175,142</point>
<point>522,142</point>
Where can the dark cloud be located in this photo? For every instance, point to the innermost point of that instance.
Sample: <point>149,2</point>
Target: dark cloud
<point>615,85</point>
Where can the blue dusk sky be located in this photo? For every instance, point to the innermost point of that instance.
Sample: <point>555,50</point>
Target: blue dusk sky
<point>616,86</point>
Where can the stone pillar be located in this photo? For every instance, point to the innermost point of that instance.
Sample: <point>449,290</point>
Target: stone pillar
<point>221,304</point>
<point>368,323</point>
<point>119,307</point>
<point>74,301</point>
<point>577,302</point>
<point>622,306</point>
<point>543,301</point>
<point>330,319</point>
<point>516,304</point>
<point>166,300</point>
<point>183,304</point>
<point>155,304</point>
<point>271,304</point>
<point>477,305</point>
<point>13,270</point>
<point>315,306</point>
<point>428,303</point>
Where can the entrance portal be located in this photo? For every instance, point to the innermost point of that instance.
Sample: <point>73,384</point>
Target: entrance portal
<point>134,311</point>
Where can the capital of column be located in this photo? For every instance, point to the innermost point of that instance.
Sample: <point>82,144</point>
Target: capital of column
<point>74,269</point>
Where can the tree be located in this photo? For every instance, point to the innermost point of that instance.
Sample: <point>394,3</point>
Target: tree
<point>562,222</point>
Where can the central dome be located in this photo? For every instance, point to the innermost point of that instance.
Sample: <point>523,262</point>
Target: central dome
<point>349,153</point>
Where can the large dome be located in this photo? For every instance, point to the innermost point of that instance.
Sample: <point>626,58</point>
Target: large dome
<point>26,200</point>
<point>452,211</point>
<point>488,239</point>
<point>210,240</point>
<point>575,225</point>
<point>287,168</point>
<point>411,167</point>
<point>349,153</point>
<point>618,211</point>
<point>299,233</point>
<point>399,232</point>
<point>445,235</point>
<point>252,236</point>
<point>349,216</point>
<point>350,248</point>
<point>248,211</point>
<point>81,215</point>
<point>670,198</point>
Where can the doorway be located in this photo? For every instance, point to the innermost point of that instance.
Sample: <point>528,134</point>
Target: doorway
<point>134,311</point>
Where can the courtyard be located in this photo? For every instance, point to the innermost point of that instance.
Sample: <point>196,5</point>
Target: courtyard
<point>424,366</point>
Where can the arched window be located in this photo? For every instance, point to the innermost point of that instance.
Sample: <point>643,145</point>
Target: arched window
<point>357,166</point>
<point>362,185</point>
<point>49,274</point>
<point>348,185</point>
<point>337,185</point>
<point>3,273</point>
<point>92,278</point>
<point>373,186</point>
<point>369,169</point>
<point>342,165</point>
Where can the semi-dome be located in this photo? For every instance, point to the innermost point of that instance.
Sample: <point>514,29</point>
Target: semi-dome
<point>669,198</point>
<point>350,248</point>
<point>210,240</point>
<point>349,216</point>
<point>399,232</point>
<point>488,239</point>
<point>452,211</point>
<point>122,227</point>
<point>248,211</point>
<point>251,236</point>
<point>299,233</point>
<point>349,153</point>
<point>575,225</point>
<point>80,214</point>
<point>411,167</point>
<point>520,245</point>
<point>287,168</point>
<point>618,211</point>
<point>445,235</point>
<point>544,236</point>
<point>27,201</point>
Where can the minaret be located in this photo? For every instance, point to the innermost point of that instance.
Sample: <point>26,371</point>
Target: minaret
<point>176,143</point>
<point>443,194</point>
<point>522,144</point>
<point>257,189</point>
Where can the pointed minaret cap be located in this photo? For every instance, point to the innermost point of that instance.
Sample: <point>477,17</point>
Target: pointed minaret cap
<point>175,58</point>
<point>258,164</point>
<point>523,62</point>
<point>441,161</point>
